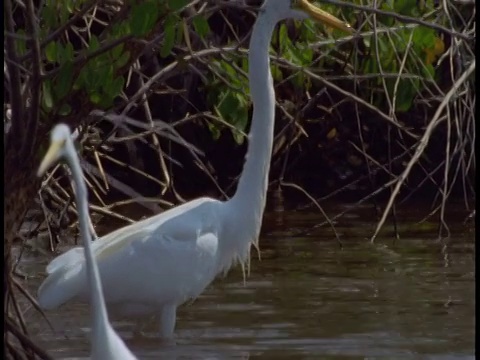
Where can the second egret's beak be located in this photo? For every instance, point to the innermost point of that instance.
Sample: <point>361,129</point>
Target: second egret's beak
<point>50,157</point>
<point>324,17</point>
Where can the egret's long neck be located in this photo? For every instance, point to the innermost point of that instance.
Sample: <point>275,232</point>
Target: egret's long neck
<point>97,303</point>
<point>252,186</point>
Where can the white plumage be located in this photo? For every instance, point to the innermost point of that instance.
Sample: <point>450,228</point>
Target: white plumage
<point>155,265</point>
<point>105,342</point>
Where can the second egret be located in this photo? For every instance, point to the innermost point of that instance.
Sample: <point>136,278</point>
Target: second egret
<point>105,342</point>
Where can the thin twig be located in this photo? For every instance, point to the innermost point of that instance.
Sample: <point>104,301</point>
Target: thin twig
<point>330,222</point>
<point>25,340</point>
<point>422,144</point>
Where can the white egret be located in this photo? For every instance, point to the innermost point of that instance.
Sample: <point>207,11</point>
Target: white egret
<point>105,342</point>
<point>155,265</point>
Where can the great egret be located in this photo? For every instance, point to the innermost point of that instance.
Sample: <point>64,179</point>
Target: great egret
<point>155,265</point>
<point>106,344</point>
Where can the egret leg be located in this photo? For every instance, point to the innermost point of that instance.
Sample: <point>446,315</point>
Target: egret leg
<point>168,317</point>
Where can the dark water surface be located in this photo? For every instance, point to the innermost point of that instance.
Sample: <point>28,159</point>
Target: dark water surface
<point>310,299</point>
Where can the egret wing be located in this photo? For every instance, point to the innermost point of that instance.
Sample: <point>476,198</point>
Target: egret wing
<point>68,258</point>
<point>183,223</point>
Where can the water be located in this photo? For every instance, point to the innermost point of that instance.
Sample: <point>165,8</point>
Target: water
<point>308,298</point>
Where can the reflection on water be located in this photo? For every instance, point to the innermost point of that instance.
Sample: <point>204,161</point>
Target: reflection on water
<point>309,298</point>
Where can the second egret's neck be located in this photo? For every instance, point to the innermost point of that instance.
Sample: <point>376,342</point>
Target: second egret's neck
<point>252,186</point>
<point>97,303</point>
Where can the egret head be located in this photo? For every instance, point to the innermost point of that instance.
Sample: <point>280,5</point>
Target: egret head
<point>302,9</point>
<point>60,138</point>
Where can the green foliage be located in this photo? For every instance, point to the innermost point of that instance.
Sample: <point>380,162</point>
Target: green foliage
<point>296,54</point>
<point>88,69</point>
<point>47,101</point>
<point>64,80</point>
<point>230,100</point>
<point>200,24</point>
<point>406,51</point>
<point>228,92</point>
<point>412,44</point>
<point>97,75</point>
<point>233,107</point>
<point>144,17</point>
<point>169,35</point>
<point>175,5</point>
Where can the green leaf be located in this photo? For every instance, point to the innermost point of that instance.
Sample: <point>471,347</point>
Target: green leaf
<point>229,70</point>
<point>95,97</point>
<point>277,73</point>
<point>47,99</point>
<point>64,80</point>
<point>384,19</point>
<point>169,37</point>
<point>117,51</point>
<point>176,4</point>
<point>371,66</point>
<point>59,53</point>
<point>367,41</point>
<point>383,46</point>
<point>242,99</point>
<point>306,54</point>
<point>70,5</point>
<point>283,38</point>
<point>233,109</point>
<point>116,86</point>
<point>105,102</point>
<point>245,64</point>
<point>49,16</point>
<point>307,29</point>
<point>118,29</point>
<point>68,52</point>
<point>405,7</point>
<point>144,17</point>
<point>405,94</point>
<point>179,33</point>
<point>109,74</point>
<point>122,60</point>
<point>298,80</point>
<point>51,51</point>
<point>298,56</point>
<point>214,129</point>
<point>428,71</point>
<point>201,26</point>
<point>107,79</point>
<point>424,38</point>
<point>65,110</point>
<point>91,76</point>
<point>104,76</point>
<point>81,81</point>
<point>93,44</point>
<point>63,14</point>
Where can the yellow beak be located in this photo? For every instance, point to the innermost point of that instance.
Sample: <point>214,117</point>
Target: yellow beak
<point>50,157</point>
<point>324,17</point>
